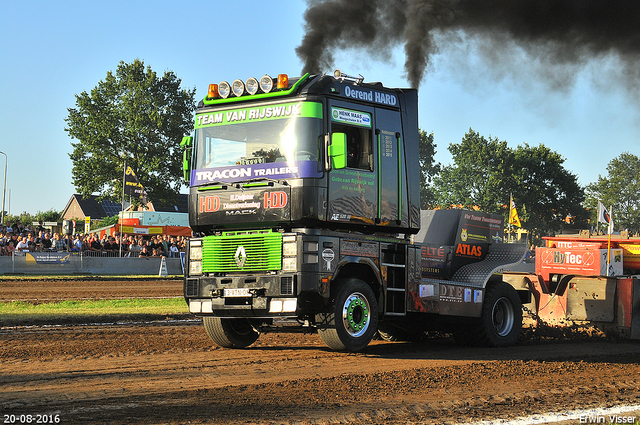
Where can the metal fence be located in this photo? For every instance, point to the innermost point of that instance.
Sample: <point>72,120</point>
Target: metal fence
<point>92,262</point>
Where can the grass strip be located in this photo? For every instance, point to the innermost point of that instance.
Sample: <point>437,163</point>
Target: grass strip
<point>19,310</point>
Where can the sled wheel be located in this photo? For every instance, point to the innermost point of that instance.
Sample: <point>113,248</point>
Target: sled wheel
<point>352,317</point>
<point>501,320</point>
<point>230,333</point>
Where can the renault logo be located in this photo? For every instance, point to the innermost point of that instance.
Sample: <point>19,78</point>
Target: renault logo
<point>241,256</point>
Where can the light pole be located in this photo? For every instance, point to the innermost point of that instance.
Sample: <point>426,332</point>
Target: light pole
<point>4,187</point>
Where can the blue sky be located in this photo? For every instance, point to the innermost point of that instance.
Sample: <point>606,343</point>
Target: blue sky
<point>52,51</point>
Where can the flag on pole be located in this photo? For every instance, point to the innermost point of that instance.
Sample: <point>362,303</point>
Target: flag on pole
<point>513,214</point>
<point>604,216</point>
<point>132,186</point>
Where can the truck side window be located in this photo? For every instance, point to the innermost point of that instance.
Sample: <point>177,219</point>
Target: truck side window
<point>359,146</point>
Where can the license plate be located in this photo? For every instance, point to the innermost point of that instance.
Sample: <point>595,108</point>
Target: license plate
<point>237,292</point>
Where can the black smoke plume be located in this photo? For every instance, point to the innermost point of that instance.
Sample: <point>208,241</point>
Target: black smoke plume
<point>553,32</point>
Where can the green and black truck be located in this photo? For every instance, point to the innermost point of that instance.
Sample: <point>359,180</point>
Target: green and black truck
<point>304,199</point>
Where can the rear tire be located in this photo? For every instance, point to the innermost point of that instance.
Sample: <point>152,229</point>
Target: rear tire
<point>230,333</point>
<point>352,317</point>
<point>501,320</point>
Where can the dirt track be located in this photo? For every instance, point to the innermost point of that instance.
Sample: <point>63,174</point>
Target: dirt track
<point>168,372</point>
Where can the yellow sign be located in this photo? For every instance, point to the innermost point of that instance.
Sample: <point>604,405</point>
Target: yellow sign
<point>631,255</point>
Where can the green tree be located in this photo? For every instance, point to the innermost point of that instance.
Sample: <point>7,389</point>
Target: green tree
<point>620,189</point>
<point>50,215</point>
<point>136,116</point>
<point>547,195</point>
<point>476,179</point>
<point>107,221</point>
<point>24,218</point>
<point>428,168</point>
<point>485,172</point>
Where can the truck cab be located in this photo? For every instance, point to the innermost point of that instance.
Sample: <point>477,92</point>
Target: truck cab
<point>320,152</point>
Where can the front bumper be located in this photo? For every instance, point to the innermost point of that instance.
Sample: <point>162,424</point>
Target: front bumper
<point>277,295</point>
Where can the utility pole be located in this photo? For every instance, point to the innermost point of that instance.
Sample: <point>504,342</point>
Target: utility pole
<point>4,187</point>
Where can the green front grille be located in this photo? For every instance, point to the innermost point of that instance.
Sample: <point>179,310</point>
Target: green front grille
<point>259,250</point>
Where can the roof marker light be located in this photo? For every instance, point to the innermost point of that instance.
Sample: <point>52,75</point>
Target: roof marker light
<point>237,87</point>
<point>252,85</point>
<point>283,81</point>
<point>213,91</point>
<point>266,84</point>
<point>224,89</point>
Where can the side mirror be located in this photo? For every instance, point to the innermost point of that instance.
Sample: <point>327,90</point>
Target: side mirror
<point>186,144</point>
<point>338,150</point>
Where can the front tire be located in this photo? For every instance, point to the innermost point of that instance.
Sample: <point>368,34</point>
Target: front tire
<point>352,317</point>
<point>230,333</point>
<point>501,320</point>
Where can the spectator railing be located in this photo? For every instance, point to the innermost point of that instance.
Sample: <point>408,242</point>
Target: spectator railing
<point>97,262</point>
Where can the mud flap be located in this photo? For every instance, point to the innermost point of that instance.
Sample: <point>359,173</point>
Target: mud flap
<point>635,312</point>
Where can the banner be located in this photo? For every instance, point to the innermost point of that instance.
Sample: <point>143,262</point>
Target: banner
<point>48,257</point>
<point>132,186</point>
<point>576,261</point>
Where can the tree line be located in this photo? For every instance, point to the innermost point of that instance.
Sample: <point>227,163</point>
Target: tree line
<point>138,116</point>
<point>485,172</point>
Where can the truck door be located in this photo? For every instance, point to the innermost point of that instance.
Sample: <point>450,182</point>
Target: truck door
<point>388,130</point>
<point>353,195</point>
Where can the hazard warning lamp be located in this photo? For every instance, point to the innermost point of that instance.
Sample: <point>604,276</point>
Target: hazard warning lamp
<point>213,91</point>
<point>252,85</point>
<point>237,87</point>
<point>224,89</point>
<point>283,81</point>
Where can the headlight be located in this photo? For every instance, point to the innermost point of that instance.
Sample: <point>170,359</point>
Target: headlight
<point>289,253</point>
<point>195,267</point>
<point>224,89</point>
<point>289,249</point>
<point>195,252</point>
<point>266,84</point>
<point>195,257</point>
<point>289,264</point>
<point>237,88</point>
<point>252,86</point>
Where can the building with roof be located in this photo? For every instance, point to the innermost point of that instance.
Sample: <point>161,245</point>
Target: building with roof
<point>154,219</point>
<point>81,207</point>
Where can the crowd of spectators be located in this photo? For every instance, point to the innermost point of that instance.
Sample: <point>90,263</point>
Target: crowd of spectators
<point>18,239</point>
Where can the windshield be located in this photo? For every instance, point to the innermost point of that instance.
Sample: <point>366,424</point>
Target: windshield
<point>276,141</point>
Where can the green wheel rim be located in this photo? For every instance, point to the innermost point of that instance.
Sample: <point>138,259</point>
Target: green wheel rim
<point>356,314</point>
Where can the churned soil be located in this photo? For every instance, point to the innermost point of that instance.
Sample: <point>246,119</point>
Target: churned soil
<point>167,372</point>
